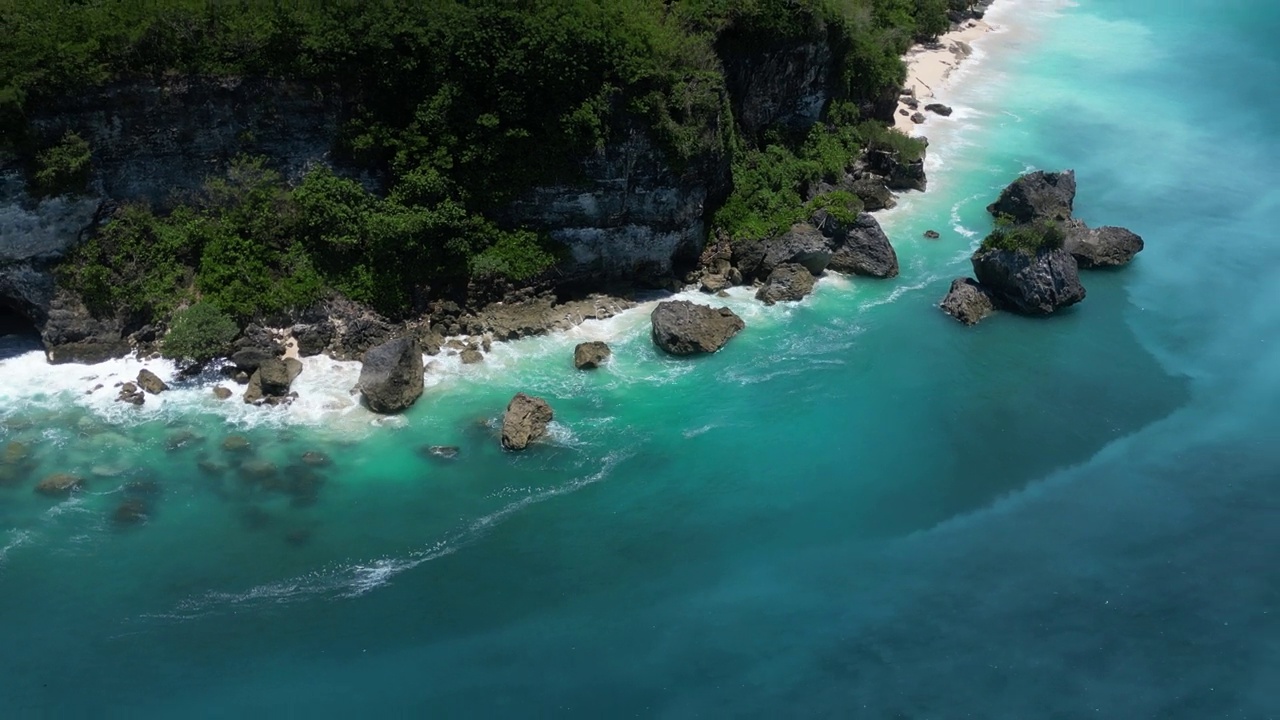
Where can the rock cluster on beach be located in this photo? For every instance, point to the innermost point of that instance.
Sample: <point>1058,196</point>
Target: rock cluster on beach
<point>1044,280</point>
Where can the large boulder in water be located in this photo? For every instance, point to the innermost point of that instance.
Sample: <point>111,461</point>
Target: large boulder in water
<point>803,245</point>
<point>967,301</point>
<point>1106,246</point>
<point>684,328</point>
<point>151,382</point>
<point>861,247</point>
<point>590,355</point>
<point>272,380</point>
<point>1037,196</point>
<point>1029,283</point>
<point>391,376</point>
<point>787,283</point>
<point>524,421</point>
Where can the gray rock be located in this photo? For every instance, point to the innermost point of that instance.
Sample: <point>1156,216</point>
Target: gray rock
<point>917,117</point>
<point>874,193</point>
<point>1106,246</point>
<point>313,338</point>
<point>221,393</point>
<point>391,376</point>
<point>1029,284</point>
<point>1037,196</point>
<point>931,235</point>
<point>524,421</point>
<point>938,108</point>
<point>590,355</point>
<point>272,380</point>
<point>150,382</point>
<point>684,328</point>
<point>249,359</point>
<point>803,244</point>
<point>787,283</point>
<point>862,248</point>
<point>967,301</point>
<point>471,356</point>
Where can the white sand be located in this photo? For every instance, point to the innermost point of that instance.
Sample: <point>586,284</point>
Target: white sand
<point>929,66</point>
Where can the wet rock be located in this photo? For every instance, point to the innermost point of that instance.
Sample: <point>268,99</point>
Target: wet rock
<point>967,301</point>
<point>917,117</point>
<point>1030,284</point>
<point>150,382</point>
<point>1037,196</point>
<point>130,393</point>
<point>312,338</point>
<point>15,452</point>
<point>236,443</point>
<point>938,109</point>
<point>931,234</point>
<point>442,452</point>
<point>251,358</point>
<point>60,485</point>
<point>875,194</point>
<point>1106,246</point>
<point>240,377</point>
<point>590,355</point>
<point>471,356</point>
<point>272,380</point>
<point>684,328</point>
<point>313,458</point>
<point>221,393</point>
<point>524,421</point>
<point>862,248</point>
<point>391,375</point>
<point>787,283</point>
<point>181,439</point>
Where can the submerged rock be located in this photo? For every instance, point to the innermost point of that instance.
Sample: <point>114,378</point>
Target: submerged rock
<point>391,375</point>
<point>313,458</point>
<point>60,485</point>
<point>684,328</point>
<point>151,382</point>
<point>131,511</point>
<point>443,452</point>
<point>524,421</point>
<point>1030,284</point>
<point>590,355</point>
<point>967,301</point>
<point>787,283</point>
<point>236,443</point>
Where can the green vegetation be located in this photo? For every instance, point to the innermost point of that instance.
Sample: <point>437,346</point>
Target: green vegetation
<point>1029,239</point>
<point>63,168</point>
<point>457,106</point>
<point>199,333</point>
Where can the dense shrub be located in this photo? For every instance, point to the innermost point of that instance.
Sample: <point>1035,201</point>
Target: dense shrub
<point>1030,239</point>
<point>62,168</point>
<point>199,333</point>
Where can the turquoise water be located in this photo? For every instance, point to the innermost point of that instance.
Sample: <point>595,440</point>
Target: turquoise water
<point>858,509</point>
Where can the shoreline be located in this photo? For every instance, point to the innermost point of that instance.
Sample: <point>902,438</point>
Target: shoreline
<point>929,70</point>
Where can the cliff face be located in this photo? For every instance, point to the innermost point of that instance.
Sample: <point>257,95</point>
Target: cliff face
<point>634,214</point>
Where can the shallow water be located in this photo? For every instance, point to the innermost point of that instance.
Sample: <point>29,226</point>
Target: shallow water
<point>858,508</point>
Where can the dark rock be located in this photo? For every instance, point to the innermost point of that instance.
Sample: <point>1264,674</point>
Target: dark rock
<point>938,108</point>
<point>60,485</point>
<point>803,244</point>
<point>391,375</point>
<point>524,421</point>
<point>312,338</point>
<point>471,356</point>
<point>258,338</point>
<point>272,379</point>
<point>874,193</point>
<point>221,393</point>
<point>967,301</point>
<point>862,248</point>
<point>1037,196</point>
<point>931,234</point>
<point>150,382</point>
<point>1106,246</point>
<point>258,469</point>
<point>787,283</point>
<point>684,328</point>
<point>251,358</point>
<point>590,355</point>
<point>917,117</point>
<point>1030,284</point>
<point>910,102</point>
<point>898,174</point>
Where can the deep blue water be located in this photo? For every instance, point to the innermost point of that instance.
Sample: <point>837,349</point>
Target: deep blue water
<point>859,508</point>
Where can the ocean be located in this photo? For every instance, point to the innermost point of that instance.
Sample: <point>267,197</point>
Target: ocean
<point>858,508</point>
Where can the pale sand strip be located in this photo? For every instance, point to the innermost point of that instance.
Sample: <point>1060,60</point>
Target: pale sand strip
<point>929,66</point>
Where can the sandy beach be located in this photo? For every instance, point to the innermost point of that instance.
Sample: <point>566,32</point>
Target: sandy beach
<point>928,67</point>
